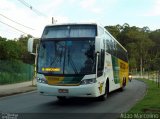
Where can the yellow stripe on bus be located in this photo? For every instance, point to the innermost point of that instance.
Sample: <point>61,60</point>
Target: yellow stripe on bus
<point>52,80</point>
<point>123,72</point>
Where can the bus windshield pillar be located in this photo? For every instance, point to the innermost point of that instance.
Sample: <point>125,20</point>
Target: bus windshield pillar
<point>97,55</point>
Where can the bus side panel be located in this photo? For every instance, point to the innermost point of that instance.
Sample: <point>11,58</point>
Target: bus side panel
<point>123,72</point>
<point>116,69</point>
<point>109,72</point>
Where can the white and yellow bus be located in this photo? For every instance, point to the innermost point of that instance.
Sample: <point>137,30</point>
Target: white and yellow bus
<point>80,60</point>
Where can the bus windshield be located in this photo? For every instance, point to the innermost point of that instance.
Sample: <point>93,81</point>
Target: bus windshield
<point>67,56</point>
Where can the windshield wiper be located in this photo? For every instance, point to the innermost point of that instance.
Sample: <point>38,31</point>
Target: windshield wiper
<point>71,62</point>
<point>57,56</point>
<point>73,66</point>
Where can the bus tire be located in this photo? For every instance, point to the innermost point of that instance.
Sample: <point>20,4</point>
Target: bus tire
<point>105,95</point>
<point>123,84</point>
<point>61,98</point>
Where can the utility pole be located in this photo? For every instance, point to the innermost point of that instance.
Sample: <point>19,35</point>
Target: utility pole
<point>54,20</point>
<point>35,64</point>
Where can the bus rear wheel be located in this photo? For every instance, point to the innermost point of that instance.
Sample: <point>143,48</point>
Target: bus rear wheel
<point>123,84</point>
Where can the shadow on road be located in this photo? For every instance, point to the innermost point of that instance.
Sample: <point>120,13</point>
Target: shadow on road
<point>74,101</point>
<point>81,101</point>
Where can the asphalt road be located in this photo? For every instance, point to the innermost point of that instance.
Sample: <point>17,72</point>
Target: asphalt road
<point>32,105</point>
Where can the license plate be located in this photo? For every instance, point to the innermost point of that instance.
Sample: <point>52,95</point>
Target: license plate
<point>63,91</point>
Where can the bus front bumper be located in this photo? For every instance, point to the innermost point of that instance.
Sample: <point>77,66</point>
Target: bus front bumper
<point>89,90</point>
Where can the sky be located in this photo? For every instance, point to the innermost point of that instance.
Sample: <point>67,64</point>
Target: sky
<point>39,13</point>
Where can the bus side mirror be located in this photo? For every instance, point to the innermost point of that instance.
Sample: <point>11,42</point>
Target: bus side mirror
<point>97,44</point>
<point>30,45</point>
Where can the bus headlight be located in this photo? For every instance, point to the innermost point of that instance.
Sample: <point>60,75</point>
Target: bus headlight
<point>41,80</point>
<point>88,81</point>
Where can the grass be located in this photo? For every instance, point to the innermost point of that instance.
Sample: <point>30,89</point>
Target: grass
<point>151,101</point>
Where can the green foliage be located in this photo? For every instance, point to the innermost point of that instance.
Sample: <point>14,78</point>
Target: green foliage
<point>15,49</point>
<point>151,100</point>
<point>115,30</point>
<point>25,55</point>
<point>141,44</point>
<point>154,51</point>
<point>9,50</point>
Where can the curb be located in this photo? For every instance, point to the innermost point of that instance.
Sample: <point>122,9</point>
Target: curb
<point>17,91</point>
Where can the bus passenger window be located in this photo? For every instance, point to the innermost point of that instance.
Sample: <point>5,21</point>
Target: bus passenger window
<point>100,63</point>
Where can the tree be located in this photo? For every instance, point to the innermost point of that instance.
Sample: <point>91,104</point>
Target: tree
<point>15,49</point>
<point>9,49</point>
<point>154,51</point>
<point>25,56</point>
<point>114,30</point>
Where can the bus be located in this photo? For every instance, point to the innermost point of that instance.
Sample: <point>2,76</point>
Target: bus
<point>79,60</point>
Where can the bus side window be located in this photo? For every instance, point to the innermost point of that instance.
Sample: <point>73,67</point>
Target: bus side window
<point>115,49</point>
<point>112,46</point>
<point>101,63</point>
<point>108,46</point>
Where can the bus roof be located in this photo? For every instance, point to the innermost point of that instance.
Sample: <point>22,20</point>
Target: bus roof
<point>71,24</point>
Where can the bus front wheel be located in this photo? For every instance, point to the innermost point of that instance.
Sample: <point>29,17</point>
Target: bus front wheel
<point>61,98</point>
<point>105,95</point>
